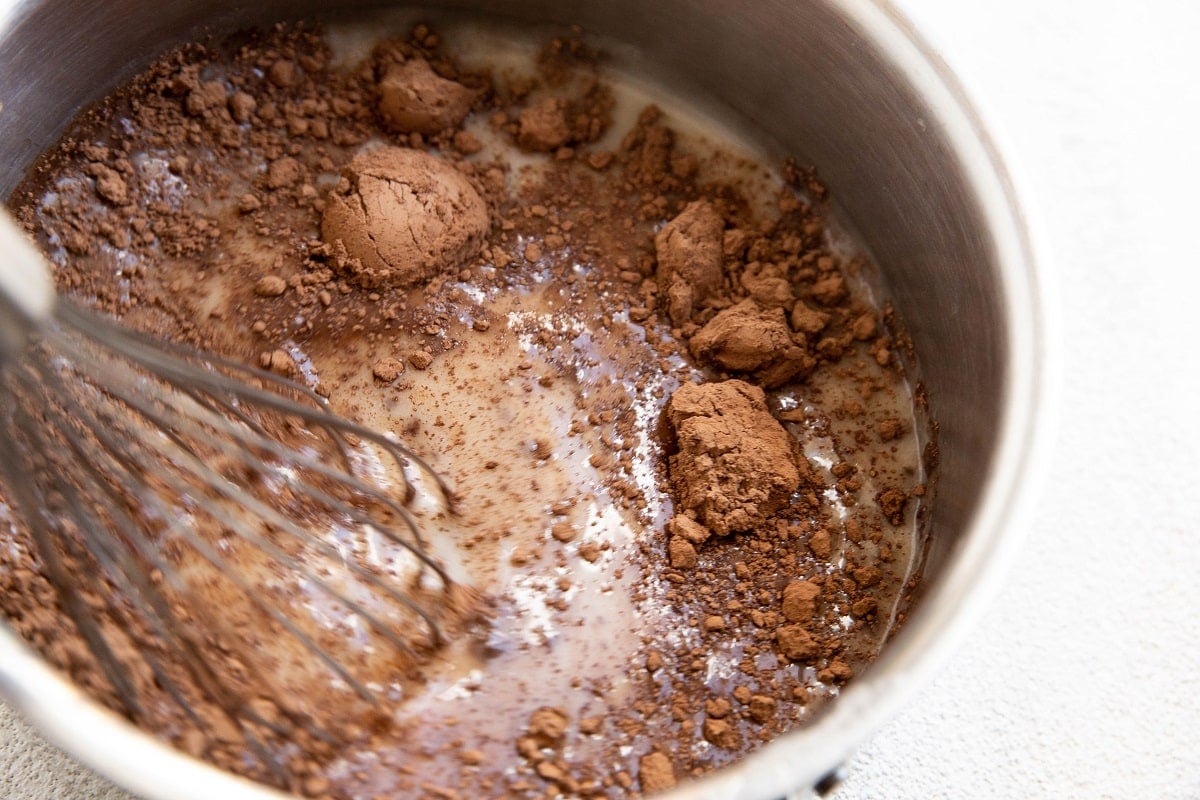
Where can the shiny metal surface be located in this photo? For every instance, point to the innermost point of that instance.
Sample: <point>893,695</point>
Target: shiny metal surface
<point>844,84</point>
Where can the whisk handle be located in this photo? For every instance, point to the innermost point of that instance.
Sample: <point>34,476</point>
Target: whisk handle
<point>26,288</point>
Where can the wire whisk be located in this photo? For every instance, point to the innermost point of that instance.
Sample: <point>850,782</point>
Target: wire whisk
<point>221,541</point>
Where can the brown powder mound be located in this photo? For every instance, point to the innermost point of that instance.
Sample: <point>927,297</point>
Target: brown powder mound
<point>752,339</point>
<point>656,772</point>
<point>559,123</point>
<point>401,216</point>
<point>800,601</point>
<point>689,258</point>
<point>736,464</point>
<point>768,284</point>
<point>544,127</point>
<point>415,99</point>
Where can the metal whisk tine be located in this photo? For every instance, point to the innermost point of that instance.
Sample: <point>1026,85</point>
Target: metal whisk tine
<point>216,389</point>
<point>26,496</point>
<point>133,584</point>
<point>193,426</point>
<point>337,428</point>
<point>131,578</point>
<point>230,492</point>
<point>124,454</point>
<point>149,476</point>
<point>117,457</point>
<point>171,363</point>
<point>311,465</point>
<point>88,457</point>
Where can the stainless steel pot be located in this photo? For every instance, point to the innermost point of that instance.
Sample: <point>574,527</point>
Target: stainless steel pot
<point>845,84</point>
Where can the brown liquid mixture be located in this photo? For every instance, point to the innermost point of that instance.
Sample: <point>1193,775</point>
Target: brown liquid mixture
<point>514,264</point>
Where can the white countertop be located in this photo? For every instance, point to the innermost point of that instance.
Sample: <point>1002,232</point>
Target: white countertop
<point>1083,681</point>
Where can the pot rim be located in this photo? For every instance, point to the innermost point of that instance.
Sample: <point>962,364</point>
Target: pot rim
<point>117,749</point>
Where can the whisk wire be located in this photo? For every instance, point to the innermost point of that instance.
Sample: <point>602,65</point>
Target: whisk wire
<point>117,457</point>
<point>232,492</point>
<point>171,362</point>
<point>57,573</point>
<point>131,579</point>
<point>335,427</point>
<point>117,565</point>
<point>128,452</point>
<point>245,503</point>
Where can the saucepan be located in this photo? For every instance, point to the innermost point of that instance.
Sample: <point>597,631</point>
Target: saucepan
<point>847,85</point>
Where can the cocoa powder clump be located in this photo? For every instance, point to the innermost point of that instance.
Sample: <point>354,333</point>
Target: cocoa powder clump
<point>681,553</point>
<point>752,339</point>
<point>656,772</point>
<point>543,127</point>
<point>797,643</point>
<point>270,286</point>
<point>284,172</point>
<point>387,369</point>
<point>686,528</point>
<point>109,184</point>
<point>800,601</point>
<point>401,216</point>
<point>415,99</point>
<point>722,733</point>
<point>736,464</point>
<point>548,726</point>
<point>688,249</point>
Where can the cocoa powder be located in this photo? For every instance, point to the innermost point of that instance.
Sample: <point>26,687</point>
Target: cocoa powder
<point>383,240</point>
<point>736,464</point>
<point>401,216</point>
<point>688,251</point>
<point>415,99</point>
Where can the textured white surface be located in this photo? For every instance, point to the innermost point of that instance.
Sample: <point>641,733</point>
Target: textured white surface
<point>1084,679</point>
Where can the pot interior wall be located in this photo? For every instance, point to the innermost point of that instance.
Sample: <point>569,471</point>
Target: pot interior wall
<point>793,69</point>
